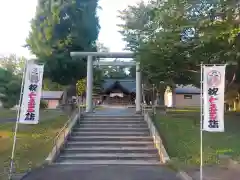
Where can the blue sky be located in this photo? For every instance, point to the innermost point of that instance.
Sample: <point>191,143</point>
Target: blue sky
<point>15,16</point>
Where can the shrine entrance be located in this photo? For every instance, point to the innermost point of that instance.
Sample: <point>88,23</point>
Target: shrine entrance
<point>119,92</point>
<point>90,64</point>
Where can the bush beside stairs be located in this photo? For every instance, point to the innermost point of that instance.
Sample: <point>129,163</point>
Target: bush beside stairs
<point>103,139</point>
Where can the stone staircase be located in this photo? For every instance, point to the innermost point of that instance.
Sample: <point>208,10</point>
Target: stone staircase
<point>104,139</point>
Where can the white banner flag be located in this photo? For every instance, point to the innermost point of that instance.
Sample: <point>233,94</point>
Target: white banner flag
<point>213,98</point>
<point>29,109</point>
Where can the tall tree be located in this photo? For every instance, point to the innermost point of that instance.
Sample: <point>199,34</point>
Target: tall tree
<point>58,28</point>
<point>115,72</point>
<point>10,85</point>
<point>171,38</point>
<point>48,85</point>
<point>178,35</point>
<point>101,47</point>
<point>152,32</point>
<point>11,69</point>
<point>12,63</point>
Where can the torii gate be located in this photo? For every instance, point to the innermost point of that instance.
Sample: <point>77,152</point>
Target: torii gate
<point>89,88</point>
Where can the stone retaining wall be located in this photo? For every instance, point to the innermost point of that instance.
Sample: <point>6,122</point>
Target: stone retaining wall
<point>61,141</point>
<point>164,158</point>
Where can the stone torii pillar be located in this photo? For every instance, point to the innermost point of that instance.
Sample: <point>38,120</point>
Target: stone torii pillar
<point>138,88</point>
<point>89,88</point>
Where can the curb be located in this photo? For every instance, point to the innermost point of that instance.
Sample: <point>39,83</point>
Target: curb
<point>29,172</point>
<point>183,176</point>
<point>23,176</point>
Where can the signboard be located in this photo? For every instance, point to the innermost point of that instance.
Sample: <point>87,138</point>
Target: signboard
<point>29,109</point>
<point>116,95</point>
<point>213,98</point>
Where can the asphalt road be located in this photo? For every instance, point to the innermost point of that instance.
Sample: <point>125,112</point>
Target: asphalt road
<point>102,172</point>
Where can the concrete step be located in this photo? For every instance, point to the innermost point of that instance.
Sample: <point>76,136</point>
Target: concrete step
<point>108,156</point>
<point>100,133</point>
<point>110,138</point>
<point>110,122</point>
<point>115,118</point>
<point>122,125</point>
<point>112,116</point>
<point>110,144</point>
<point>109,162</point>
<point>106,129</point>
<point>126,149</point>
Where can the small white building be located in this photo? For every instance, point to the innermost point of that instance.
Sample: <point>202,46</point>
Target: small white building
<point>182,96</point>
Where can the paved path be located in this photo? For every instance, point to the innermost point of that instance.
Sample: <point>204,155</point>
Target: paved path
<point>115,111</point>
<point>102,172</point>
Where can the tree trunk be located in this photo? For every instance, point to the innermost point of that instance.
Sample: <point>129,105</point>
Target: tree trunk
<point>68,105</point>
<point>160,98</point>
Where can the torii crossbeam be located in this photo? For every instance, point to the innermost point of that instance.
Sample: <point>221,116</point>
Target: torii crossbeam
<point>89,55</point>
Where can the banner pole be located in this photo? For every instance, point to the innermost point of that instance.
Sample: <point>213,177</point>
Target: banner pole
<point>201,124</point>
<point>17,121</point>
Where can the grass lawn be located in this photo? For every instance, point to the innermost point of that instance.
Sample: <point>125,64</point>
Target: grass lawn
<point>181,136</point>
<point>7,113</point>
<point>34,143</point>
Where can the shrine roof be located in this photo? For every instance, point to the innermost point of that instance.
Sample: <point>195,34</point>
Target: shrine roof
<point>128,84</point>
<point>189,89</point>
<point>51,94</point>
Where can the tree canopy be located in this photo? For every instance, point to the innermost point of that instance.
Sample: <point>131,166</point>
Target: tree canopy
<point>48,85</point>
<point>172,38</point>
<point>11,69</point>
<point>13,64</point>
<point>58,28</point>
<point>115,72</point>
